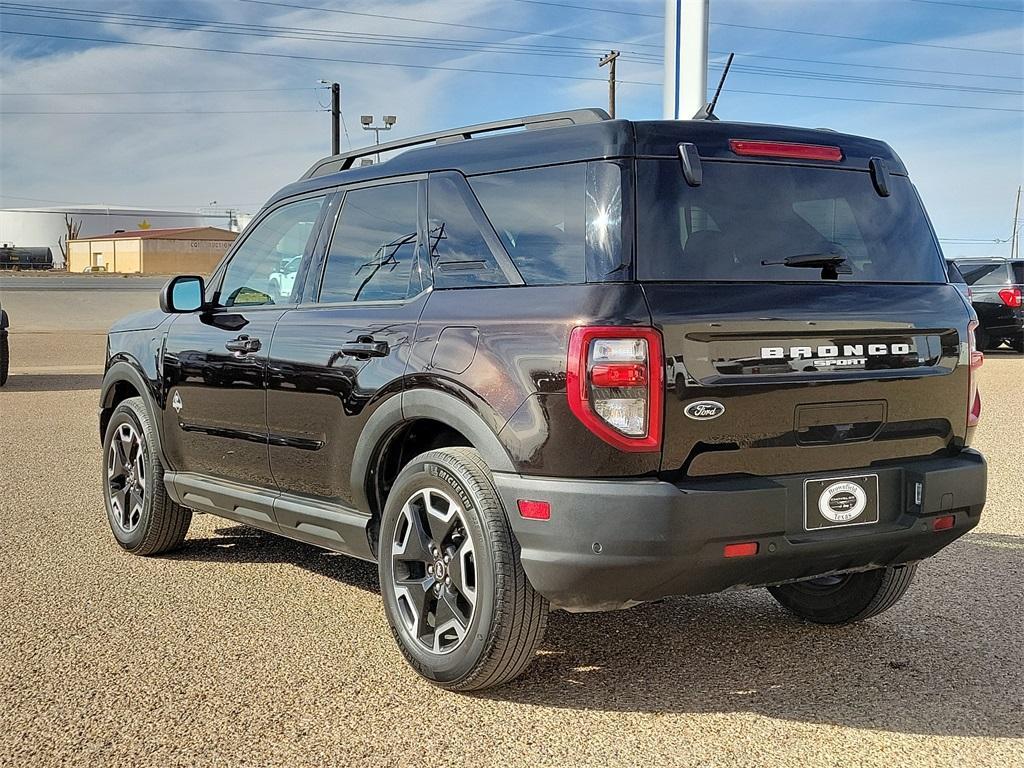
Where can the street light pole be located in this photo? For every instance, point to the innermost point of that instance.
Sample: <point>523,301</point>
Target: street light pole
<point>367,121</point>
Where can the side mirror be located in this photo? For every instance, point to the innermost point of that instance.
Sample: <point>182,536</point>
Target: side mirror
<point>183,293</point>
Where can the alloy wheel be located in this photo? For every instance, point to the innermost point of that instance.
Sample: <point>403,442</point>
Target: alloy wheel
<point>126,477</point>
<point>434,570</point>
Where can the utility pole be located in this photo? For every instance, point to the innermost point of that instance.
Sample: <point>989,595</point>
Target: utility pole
<point>367,121</point>
<point>335,119</point>
<point>1015,235</point>
<point>610,59</point>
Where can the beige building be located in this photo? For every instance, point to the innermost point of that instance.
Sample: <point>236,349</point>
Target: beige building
<point>192,250</point>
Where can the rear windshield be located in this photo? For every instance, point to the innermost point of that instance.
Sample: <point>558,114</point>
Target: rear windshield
<point>746,219</point>
<point>983,273</point>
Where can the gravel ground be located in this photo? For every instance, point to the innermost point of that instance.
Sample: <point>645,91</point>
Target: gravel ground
<point>243,649</point>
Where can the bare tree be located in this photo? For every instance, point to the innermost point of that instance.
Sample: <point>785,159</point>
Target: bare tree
<point>72,229</point>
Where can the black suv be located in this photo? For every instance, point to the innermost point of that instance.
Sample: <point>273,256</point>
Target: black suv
<point>583,365</point>
<point>996,286</point>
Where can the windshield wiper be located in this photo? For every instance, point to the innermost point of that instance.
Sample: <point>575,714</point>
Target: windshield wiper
<point>831,264</point>
<point>812,260</point>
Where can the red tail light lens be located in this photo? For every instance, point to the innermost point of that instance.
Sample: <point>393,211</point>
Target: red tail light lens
<point>1011,297</point>
<point>976,359</point>
<point>754,148</point>
<point>615,384</point>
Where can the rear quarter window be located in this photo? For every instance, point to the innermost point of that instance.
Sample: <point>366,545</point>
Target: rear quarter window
<point>562,224</point>
<point>746,218</point>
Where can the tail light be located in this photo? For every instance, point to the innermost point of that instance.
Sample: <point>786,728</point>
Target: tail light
<point>976,359</point>
<point>1011,297</point>
<point>615,384</point>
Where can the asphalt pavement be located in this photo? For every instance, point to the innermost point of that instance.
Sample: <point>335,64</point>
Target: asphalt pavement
<point>243,649</point>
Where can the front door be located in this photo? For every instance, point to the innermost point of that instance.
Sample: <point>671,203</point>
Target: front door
<point>215,359</point>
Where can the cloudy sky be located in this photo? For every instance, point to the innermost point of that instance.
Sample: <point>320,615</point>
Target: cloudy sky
<point>177,104</point>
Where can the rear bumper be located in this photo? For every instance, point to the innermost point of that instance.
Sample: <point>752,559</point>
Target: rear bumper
<point>610,544</point>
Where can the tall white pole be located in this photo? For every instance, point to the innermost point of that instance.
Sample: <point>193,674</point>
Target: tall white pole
<point>686,58</point>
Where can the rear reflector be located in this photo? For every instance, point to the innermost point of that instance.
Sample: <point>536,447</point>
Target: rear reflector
<point>746,549</point>
<point>534,510</point>
<point>754,148</point>
<point>1011,297</point>
<point>943,523</point>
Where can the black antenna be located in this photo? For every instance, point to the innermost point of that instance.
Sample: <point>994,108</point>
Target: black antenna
<point>707,112</point>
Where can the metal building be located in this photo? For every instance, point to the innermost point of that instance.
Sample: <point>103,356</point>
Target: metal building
<point>188,250</point>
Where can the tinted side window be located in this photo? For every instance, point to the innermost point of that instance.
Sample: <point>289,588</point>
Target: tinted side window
<point>458,252</point>
<point>989,273</point>
<point>253,275</point>
<point>540,216</point>
<point>373,252</point>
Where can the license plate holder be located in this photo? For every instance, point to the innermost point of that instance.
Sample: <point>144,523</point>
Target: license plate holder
<point>840,502</point>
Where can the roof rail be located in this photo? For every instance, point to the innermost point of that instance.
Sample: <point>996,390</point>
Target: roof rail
<point>344,161</point>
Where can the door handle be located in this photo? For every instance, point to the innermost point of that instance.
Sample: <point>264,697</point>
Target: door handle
<point>365,347</point>
<point>243,345</point>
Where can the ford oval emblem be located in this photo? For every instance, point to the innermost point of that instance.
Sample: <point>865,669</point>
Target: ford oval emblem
<point>702,410</point>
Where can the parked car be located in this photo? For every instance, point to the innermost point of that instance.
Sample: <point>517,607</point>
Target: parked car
<point>5,348</point>
<point>283,279</point>
<point>997,287</point>
<point>583,365</point>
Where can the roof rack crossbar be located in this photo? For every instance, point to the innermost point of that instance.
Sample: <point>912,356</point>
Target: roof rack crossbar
<point>344,161</point>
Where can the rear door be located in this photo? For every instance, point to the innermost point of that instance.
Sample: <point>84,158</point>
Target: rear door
<point>343,350</point>
<point>846,356</point>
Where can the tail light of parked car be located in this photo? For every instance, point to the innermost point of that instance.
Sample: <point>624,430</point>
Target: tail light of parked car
<point>976,359</point>
<point>615,384</point>
<point>1011,297</point>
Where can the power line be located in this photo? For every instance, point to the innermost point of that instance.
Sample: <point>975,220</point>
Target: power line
<point>591,8</point>
<point>544,75</point>
<point>766,71</point>
<point>868,66</point>
<point>386,17</point>
<point>781,30</point>
<point>875,101</point>
<point>298,57</point>
<point>5,112</point>
<point>153,91</point>
<point>969,5</point>
<point>867,39</point>
<point>296,33</point>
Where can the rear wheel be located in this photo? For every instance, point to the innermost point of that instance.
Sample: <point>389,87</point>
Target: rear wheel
<point>845,598</point>
<point>142,517</point>
<point>1017,342</point>
<point>455,593</point>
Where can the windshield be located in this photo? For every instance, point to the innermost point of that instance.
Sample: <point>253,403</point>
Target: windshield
<point>746,214</point>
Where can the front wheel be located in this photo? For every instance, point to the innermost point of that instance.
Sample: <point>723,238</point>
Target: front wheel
<point>848,597</point>
<point>455,594</point>
<point>142,517</point>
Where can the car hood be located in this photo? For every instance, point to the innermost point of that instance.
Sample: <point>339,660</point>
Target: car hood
<point>140,321</point>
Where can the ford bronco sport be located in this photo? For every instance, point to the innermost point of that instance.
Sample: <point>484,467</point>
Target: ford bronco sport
<point>583,365</point>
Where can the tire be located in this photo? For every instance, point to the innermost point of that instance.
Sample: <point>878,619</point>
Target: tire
<point>154,524</point>
<point>846,598</point>
<point>5,358</point>
<point>1017,342</point>
<point>504,623</point>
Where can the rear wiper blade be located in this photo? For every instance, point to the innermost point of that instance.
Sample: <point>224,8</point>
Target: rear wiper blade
<point>812,260</point>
